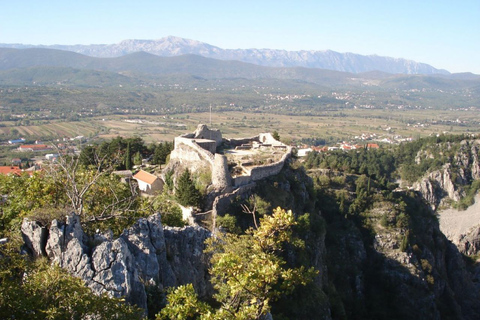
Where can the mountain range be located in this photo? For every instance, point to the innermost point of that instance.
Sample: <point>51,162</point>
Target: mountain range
<point>44,66</point>
<point>175,46</point>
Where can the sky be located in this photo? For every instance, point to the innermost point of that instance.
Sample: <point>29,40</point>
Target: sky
<point>444,34</point>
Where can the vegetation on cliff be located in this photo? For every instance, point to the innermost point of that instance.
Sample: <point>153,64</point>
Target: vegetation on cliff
<point>248,273</point>
<point>349,244</point>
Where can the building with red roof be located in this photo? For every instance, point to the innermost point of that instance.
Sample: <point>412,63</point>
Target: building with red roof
<point>34,147</point>
<point>148,183</point>
<point>5,170</point>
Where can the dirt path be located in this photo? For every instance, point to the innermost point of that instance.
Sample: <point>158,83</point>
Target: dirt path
<point>454,223</point>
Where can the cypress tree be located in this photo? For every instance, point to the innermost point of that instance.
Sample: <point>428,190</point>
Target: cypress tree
<point>128,158</point>
<point>185,192</point>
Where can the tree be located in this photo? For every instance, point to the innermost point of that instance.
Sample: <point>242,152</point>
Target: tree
<point>186,192</point>
<point>275,135</point>
<point>128,158</point>
<point>137,159</point>
<point>161,152</point>
<point>94,194</point>
<point>247,271</point>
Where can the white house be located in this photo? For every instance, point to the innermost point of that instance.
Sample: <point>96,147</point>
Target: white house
<point>303,152</point>
<point>148,183</point>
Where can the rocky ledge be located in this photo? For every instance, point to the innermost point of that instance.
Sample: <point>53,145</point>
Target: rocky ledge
<point>144,257</point>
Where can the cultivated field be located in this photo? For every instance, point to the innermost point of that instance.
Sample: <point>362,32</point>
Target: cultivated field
<point>332,126</point>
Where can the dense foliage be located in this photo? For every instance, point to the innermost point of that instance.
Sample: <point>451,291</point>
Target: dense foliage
<point>247,271</point>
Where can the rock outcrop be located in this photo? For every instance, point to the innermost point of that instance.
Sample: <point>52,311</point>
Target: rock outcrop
<point>437,185</point>
<point>469,243</point>
<point>448,182</point>
<point>145,255</point>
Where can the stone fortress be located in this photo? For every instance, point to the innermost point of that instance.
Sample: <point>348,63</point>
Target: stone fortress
<point>234,164</point>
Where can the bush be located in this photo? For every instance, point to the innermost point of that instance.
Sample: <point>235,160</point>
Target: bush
<point>229,223</point>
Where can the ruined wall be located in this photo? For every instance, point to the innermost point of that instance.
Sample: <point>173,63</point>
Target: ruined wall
<point>209,145</point>
<point>222,202</point>
<point>203,132</point>
<point>187,151</point>
<point>241,180</point>
<point>239,142</point>
<point>267,138</point>
<point>261,172</point>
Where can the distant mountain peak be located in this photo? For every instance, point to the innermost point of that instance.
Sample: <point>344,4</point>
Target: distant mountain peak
<point>325,59</point>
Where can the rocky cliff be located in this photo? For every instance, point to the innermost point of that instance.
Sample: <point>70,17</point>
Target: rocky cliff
<point>395,271</point>
<point>391,261</point>
<point>447,183</point>
<point>146,257</point>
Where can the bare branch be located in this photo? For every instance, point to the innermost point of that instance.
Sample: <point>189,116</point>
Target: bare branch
<point>247,210</point>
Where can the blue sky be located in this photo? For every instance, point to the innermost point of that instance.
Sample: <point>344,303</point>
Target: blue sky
<point>445,34</point>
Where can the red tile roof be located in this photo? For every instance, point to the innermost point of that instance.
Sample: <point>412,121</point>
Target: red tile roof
<point>145,177</point>
<point>35,146</point>
<point>10,170</point>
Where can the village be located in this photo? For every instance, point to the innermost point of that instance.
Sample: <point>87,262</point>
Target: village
<point>150,182</point>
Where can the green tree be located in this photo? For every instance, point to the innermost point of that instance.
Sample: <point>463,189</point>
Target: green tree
<point>275,135</point>
<point>185,192</point>
<point>128,158</point>
<point>161,152</point>
<point>137,159</point>
<point>247,271</point>
<point>25,194</point>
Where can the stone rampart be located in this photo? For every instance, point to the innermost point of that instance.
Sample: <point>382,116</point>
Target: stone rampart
<point>188,150</point>
<point>261,172</point>
<point>203,132</point>
<point>241,180</point>
<point>221,178</point>
<point>239,142</point>
<point>222,202</point>
<point>267,138</point>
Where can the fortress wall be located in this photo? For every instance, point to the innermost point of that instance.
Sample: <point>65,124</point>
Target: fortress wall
<point>262,172</point>
<point>209,145</point>
<point>239,142</point>
<point>222,202</point>
<point>188,150</point>
<point>241,180</point>
<point>221,178</point>
<point>269,139</point>
<point>203,132</point>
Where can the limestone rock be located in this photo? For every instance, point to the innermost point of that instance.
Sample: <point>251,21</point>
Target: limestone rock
<point>475,162</point>
<point>116,273</point>
<point>184,250</point>
<point>437,185</point>
<point>35,237</point>
<point>146,241</point>
<point>469,244</point>
<point>142,256</point>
